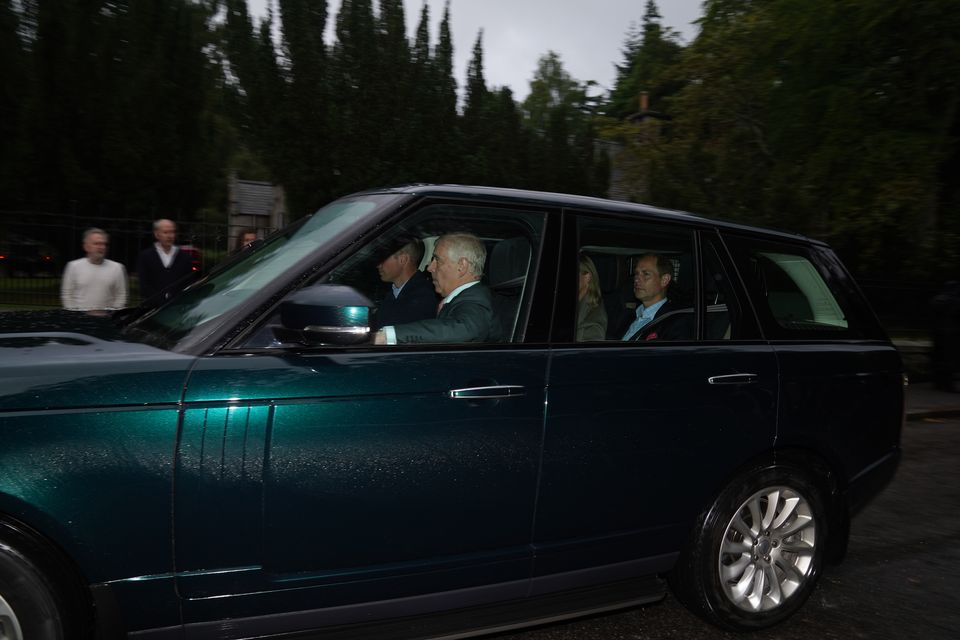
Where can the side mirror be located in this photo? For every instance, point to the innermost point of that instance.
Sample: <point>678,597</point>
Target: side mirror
<point>325,314</point>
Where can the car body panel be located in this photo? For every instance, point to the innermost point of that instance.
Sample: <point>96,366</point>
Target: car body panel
<point>842,400</point>
<point>88,429</point>
<point>408,489</point>
<point>629,454</point>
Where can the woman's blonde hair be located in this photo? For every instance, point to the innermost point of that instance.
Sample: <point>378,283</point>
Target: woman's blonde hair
<point>593,287</point>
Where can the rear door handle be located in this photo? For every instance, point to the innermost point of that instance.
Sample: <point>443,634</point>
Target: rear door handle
<point>734,378</point>
<point>488,393</point>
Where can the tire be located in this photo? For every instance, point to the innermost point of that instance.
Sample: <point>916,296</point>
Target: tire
<point>755,555</point>
<point>28,603</point>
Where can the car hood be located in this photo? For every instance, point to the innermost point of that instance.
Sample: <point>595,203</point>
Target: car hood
<point>65,359</point>
<point>59,320</point>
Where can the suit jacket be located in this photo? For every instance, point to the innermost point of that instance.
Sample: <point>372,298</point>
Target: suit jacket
<point>667,325</point>
<point>466,318</point>
<point>155,279</point>
<point>417,301</point>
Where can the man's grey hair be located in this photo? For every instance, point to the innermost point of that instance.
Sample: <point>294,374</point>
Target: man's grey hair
<point>468,246</point>
<point>94,230</point>
<point>156,223</point>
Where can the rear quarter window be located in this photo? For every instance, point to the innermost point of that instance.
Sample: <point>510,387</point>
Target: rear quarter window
<point>802,292</point>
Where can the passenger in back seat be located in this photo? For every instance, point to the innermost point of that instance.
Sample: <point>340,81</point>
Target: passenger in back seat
<point>651,278</point>
<point>591,316</point>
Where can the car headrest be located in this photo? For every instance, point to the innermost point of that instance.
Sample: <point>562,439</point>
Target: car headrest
<point>607,271</point>
<point>508,262</point>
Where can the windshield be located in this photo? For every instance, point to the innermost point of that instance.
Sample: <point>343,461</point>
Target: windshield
<point>196,309</point>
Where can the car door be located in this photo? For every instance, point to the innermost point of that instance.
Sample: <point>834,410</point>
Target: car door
<point>309,479</point>
<point>639,434</point>
<point>841,379</point>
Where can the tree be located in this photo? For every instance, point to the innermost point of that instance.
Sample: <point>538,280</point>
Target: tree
<point>475,122</point>
<point>15,82</point>
<point>447,135</point>
<point>832,119</point>
<point>304,120</point>
<point>355,64</point>
<point>390,100</point>
<point>649,56</point>
<point>559,110</point>
<point>136,136</point>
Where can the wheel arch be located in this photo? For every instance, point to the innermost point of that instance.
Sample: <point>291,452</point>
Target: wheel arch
<point>821,468</point>
<point>57,567</point>
<point>814,474</point>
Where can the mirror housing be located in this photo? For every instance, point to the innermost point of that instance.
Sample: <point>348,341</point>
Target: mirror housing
<point>326,314</point>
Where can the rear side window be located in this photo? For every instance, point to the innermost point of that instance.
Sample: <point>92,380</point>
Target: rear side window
<point>800,292</point>
<point>796,294</point>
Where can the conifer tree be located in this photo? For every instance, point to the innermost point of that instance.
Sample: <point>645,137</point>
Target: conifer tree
<point>305,118</point>
<point>476,121</point>
<point>650,54</point>
<point>354,90</point>
<point>392,94</point>
<point>15,87</point>
<point>448,141</point>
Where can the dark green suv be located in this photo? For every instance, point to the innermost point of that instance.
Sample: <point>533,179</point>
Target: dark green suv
<point>632,397</point>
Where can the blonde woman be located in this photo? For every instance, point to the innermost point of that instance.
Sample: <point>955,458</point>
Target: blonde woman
<point>591,316</point>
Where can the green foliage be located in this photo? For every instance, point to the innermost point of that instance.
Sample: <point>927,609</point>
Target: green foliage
<point>649,56</point>
<point>107,107</point>
<point>835,119</point>
<point>116,108</point>
<point>559,110</point>
<point>14,82</point>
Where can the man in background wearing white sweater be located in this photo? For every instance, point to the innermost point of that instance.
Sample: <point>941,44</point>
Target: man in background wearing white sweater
<point>93,283</point>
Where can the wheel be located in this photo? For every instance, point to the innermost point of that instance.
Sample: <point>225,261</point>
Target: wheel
<point>756,553</point>
<point>28,604</point>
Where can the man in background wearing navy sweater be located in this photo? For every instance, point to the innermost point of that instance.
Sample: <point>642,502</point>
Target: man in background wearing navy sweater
<point>162,265</point>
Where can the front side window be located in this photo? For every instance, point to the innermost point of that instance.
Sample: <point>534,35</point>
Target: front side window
<point>447,274</point>
<point>196,310</point>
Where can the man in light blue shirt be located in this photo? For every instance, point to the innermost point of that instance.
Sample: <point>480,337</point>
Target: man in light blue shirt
<point>651,277</point>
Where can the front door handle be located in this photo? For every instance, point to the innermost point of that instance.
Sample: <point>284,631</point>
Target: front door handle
<point>488,393</point>
<point>734,378</point>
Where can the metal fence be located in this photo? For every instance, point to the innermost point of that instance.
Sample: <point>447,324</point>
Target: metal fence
<point>35,247</point>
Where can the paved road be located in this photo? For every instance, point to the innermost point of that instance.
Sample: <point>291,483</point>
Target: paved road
<point>901,578</point>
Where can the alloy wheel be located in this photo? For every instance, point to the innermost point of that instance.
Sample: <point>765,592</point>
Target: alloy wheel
<point>767,551</point>
<point>9,625</point>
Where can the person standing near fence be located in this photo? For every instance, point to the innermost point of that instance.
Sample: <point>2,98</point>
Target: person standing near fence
<point>94,283</point>
<point>245,238</point>
<point>162,265</point>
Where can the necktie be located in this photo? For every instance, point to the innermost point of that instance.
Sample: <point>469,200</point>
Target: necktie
<point>439,306</point>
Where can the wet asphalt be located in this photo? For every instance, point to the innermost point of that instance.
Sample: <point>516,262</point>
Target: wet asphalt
<point>900,579</point>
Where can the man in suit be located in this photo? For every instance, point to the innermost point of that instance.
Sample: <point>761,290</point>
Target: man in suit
<point>651,279</point>
<point>466,311</point>
<point>411,297</point>
<point>162,265</point>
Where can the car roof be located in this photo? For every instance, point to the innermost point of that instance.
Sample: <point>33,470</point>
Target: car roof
<point>528,197</point>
